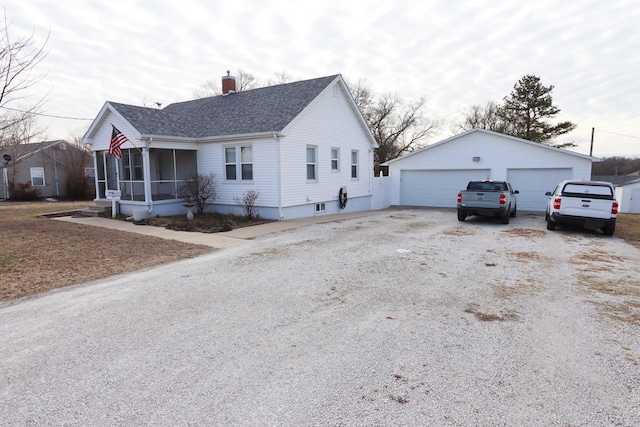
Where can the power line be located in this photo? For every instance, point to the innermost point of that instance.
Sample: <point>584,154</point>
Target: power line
<point>46,115</point>
<point>619,134</point>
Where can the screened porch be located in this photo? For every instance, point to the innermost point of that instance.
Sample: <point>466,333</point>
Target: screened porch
<point>168,171</point>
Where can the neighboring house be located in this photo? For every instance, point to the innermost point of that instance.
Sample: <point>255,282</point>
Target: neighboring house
<point>433,175</point>
<point>44,164</point>
<point>628,196</point>
<point>297,144</point>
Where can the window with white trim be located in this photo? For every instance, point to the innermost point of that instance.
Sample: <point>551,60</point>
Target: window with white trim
<point>354,164</point>
<point>238,163</point>
<point>335,159</point>
<point>312,163</point>
<point>37,177</point>
<point>321,207</point>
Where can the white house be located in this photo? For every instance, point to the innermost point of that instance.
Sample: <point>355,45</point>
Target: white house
<point>433,175</point>
<point>297,144</point>
<point>628,196</point>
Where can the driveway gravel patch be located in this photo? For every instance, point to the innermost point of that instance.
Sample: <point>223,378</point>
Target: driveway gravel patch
<point>403,317</point>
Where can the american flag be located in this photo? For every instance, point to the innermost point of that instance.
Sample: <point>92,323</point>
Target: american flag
<point>117,139</point>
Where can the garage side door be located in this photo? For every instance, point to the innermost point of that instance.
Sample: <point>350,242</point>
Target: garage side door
<point>533,183</point>
<point>435,188</point>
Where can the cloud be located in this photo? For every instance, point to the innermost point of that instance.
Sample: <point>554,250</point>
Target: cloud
<point>454,54</point>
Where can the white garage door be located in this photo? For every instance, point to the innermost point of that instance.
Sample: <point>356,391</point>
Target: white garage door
<point>533,183</point>
<point>435,188</point>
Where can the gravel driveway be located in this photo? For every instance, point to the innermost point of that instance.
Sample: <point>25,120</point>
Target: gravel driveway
<point>400,318</point>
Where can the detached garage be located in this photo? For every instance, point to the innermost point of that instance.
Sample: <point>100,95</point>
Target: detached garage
<point>433,175</point>
<point>628,196</point>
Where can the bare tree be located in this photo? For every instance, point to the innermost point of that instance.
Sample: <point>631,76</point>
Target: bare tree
<point>18,59</point>
<point>398,127</point>
<point>78,185</point>
<point>244,81</point>
<point>482,117</point>
<point>279,79</point>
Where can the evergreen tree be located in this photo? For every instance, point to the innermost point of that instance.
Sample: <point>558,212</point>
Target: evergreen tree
<point>525,112</point>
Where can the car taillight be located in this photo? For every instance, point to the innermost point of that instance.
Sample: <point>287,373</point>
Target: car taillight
<point>556,203</point>
<point>503,199</point>
<point>459,197</point>
<point>614,208</point>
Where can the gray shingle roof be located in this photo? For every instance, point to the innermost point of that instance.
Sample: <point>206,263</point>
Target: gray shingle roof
<point>268,109</point>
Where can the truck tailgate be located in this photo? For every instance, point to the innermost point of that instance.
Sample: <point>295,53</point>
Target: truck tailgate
<point>480,199</point>
<point>583,207</point>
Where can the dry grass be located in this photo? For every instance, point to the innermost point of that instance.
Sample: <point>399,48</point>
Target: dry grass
<point>40,254</point>
<point>489,317</point>
<point>628,228</point>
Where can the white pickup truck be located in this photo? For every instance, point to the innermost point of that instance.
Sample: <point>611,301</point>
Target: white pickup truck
<point>590,204</point>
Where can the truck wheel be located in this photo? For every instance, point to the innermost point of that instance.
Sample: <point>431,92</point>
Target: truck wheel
<point>505,218</point>
<point>461,216</point>
<point>513,214</point>
<point>608,231</point>
<point>550,224</point>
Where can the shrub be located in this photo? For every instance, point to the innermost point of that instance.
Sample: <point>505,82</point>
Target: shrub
<point>248,203</point>
<point>24,192</point>
<point>200,190</point>
<point>78,188</point>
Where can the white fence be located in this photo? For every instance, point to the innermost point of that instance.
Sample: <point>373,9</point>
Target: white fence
<point>381,193</point>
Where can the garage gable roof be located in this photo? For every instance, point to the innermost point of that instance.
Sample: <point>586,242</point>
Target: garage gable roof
<point>497,134</point>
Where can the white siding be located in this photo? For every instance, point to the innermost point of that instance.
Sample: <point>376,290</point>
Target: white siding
<point>101,138</point>
<point>265,171</point>
<point>491,151</point>
<point>328,123</point>
<point>628,198</point>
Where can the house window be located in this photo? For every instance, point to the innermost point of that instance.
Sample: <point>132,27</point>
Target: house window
<point>241,170</point>
<point>354,164</point>
<point>335,159</point>
<point>312,163</point>
<point>230,165</point>
<point>246,159</point>
<point>320,207</point>
<point>37,177</point>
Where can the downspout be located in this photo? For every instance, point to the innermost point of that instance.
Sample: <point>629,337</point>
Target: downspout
<point>147,176</point>
<point>279,143</point>
<point>55,172</point>
<point>5,181</point>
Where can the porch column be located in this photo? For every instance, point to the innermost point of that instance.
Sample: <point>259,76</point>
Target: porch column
<point>146,172</point>
<point>96,174</point>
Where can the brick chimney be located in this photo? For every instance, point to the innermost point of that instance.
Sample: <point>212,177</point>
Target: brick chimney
<point>228,83</point>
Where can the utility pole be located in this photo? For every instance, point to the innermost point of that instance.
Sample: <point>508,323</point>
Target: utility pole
<point>591,149</point>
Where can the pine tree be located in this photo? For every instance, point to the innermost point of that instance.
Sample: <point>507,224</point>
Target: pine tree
<point>526,110</point>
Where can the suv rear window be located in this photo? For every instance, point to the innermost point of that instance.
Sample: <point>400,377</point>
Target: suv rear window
<point>590,191</point>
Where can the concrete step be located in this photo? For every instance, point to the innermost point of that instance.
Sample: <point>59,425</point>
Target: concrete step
<point>100,208</point>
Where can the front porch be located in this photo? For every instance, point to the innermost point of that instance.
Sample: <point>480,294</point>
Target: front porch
<point>146,178</point>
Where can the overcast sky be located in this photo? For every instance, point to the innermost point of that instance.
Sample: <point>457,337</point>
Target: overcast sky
<point>454,53</point>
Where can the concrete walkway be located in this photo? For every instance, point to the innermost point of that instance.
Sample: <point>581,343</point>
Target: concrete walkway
<point>215,240</point>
